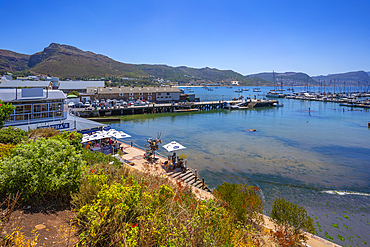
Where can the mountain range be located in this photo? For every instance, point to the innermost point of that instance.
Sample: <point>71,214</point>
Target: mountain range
<point>69,62</point>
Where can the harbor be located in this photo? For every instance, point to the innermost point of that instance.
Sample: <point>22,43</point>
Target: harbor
<point>171,107</point>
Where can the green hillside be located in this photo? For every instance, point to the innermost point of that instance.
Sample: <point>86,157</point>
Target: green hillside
<point>70,62</point>
<point>12,61</point>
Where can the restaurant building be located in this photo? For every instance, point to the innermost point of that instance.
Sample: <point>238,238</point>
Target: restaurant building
<point>41,108</point>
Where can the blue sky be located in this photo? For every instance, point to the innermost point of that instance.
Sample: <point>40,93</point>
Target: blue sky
<point>315,37</point>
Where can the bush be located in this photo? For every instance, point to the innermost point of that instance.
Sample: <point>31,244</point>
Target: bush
<point>291,221</point>
<point>93,158</point>
<point>242,200</point>
<point>74,138</point>
<point>46,133</point>
<point>5,150</point>
<point>144,210</point>
<point>12,135</point>
<point>5,111</point>
<point>43,167</point>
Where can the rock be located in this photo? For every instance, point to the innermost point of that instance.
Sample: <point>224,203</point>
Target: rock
<point>40,227</point>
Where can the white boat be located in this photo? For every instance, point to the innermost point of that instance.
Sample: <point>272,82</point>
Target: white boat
<point>273,94</point>
<point>256,90</point>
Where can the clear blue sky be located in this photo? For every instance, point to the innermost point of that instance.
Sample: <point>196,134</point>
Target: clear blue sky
<point>316,37</point>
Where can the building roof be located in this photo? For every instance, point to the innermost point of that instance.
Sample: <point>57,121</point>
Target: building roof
<point>17,83</point>
<point>26,94</point>
<point>108,90</point>
<point>70,85</point>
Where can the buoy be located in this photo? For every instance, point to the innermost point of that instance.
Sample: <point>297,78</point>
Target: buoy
<point>252,130</point>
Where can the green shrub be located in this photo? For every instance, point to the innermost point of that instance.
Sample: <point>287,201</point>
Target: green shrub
<point>291,221</point>
<point>5,150</point>
<point>43,167</point>
<point>12,135</point>
<point>144,210</point>
<point>93,158</point>
<point>242,200</point>
<point>5,111</point>
<point>74,138</point>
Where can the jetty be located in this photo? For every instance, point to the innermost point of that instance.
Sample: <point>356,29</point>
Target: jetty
<point>168,107</point>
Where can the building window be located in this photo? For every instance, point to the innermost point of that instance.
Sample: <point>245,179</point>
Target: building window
<point>149,97</point>
<point>18,117</point>
<point>140,93</point>
<point>168,93</point>
<point>131,94</point>
<point>149,93</point>
<point>27,108</point>
<point>120,94</point>
<point>37,108</point>
<point>19,109</point>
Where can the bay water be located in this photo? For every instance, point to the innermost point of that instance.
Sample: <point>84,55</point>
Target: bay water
<point>316,154</point>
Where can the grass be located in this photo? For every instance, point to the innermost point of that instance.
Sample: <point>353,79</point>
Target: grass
<point>328,236</point>
<point>334,225</point>
<point>340,237</point>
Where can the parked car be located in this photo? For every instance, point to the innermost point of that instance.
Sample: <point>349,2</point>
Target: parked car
<point>71,104</point>
<point>86,104</point>
<point>79,105</point>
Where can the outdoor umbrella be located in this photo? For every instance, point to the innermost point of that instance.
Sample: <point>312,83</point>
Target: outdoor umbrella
<point>71,96</point>
<point>173,146</point>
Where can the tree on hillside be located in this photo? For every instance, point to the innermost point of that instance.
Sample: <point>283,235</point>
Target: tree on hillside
<point>5,111</point>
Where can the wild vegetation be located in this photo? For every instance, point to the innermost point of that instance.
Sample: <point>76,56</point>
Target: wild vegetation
<point>119,206</point>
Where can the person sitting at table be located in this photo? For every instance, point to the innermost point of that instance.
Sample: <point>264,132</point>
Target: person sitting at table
<point>88,145</point>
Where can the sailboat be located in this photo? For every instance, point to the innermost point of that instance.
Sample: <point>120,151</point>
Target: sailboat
<point>274,93</point>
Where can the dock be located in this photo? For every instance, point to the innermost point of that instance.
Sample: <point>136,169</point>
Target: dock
<point>168,107</point>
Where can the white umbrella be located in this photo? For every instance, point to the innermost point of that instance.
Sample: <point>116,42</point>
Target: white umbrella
<point>173,146</point>
<point>90,138</point>
<point>119,134</point>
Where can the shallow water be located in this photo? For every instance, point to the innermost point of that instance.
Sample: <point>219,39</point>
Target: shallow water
<point>295,153</point>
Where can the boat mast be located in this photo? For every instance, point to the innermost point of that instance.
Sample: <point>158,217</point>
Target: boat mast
<point>274,79</point>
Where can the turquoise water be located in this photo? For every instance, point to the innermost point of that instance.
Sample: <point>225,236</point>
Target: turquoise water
<point>294,154</point>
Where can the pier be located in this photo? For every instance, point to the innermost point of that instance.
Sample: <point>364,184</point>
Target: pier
<point>169,107</point>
